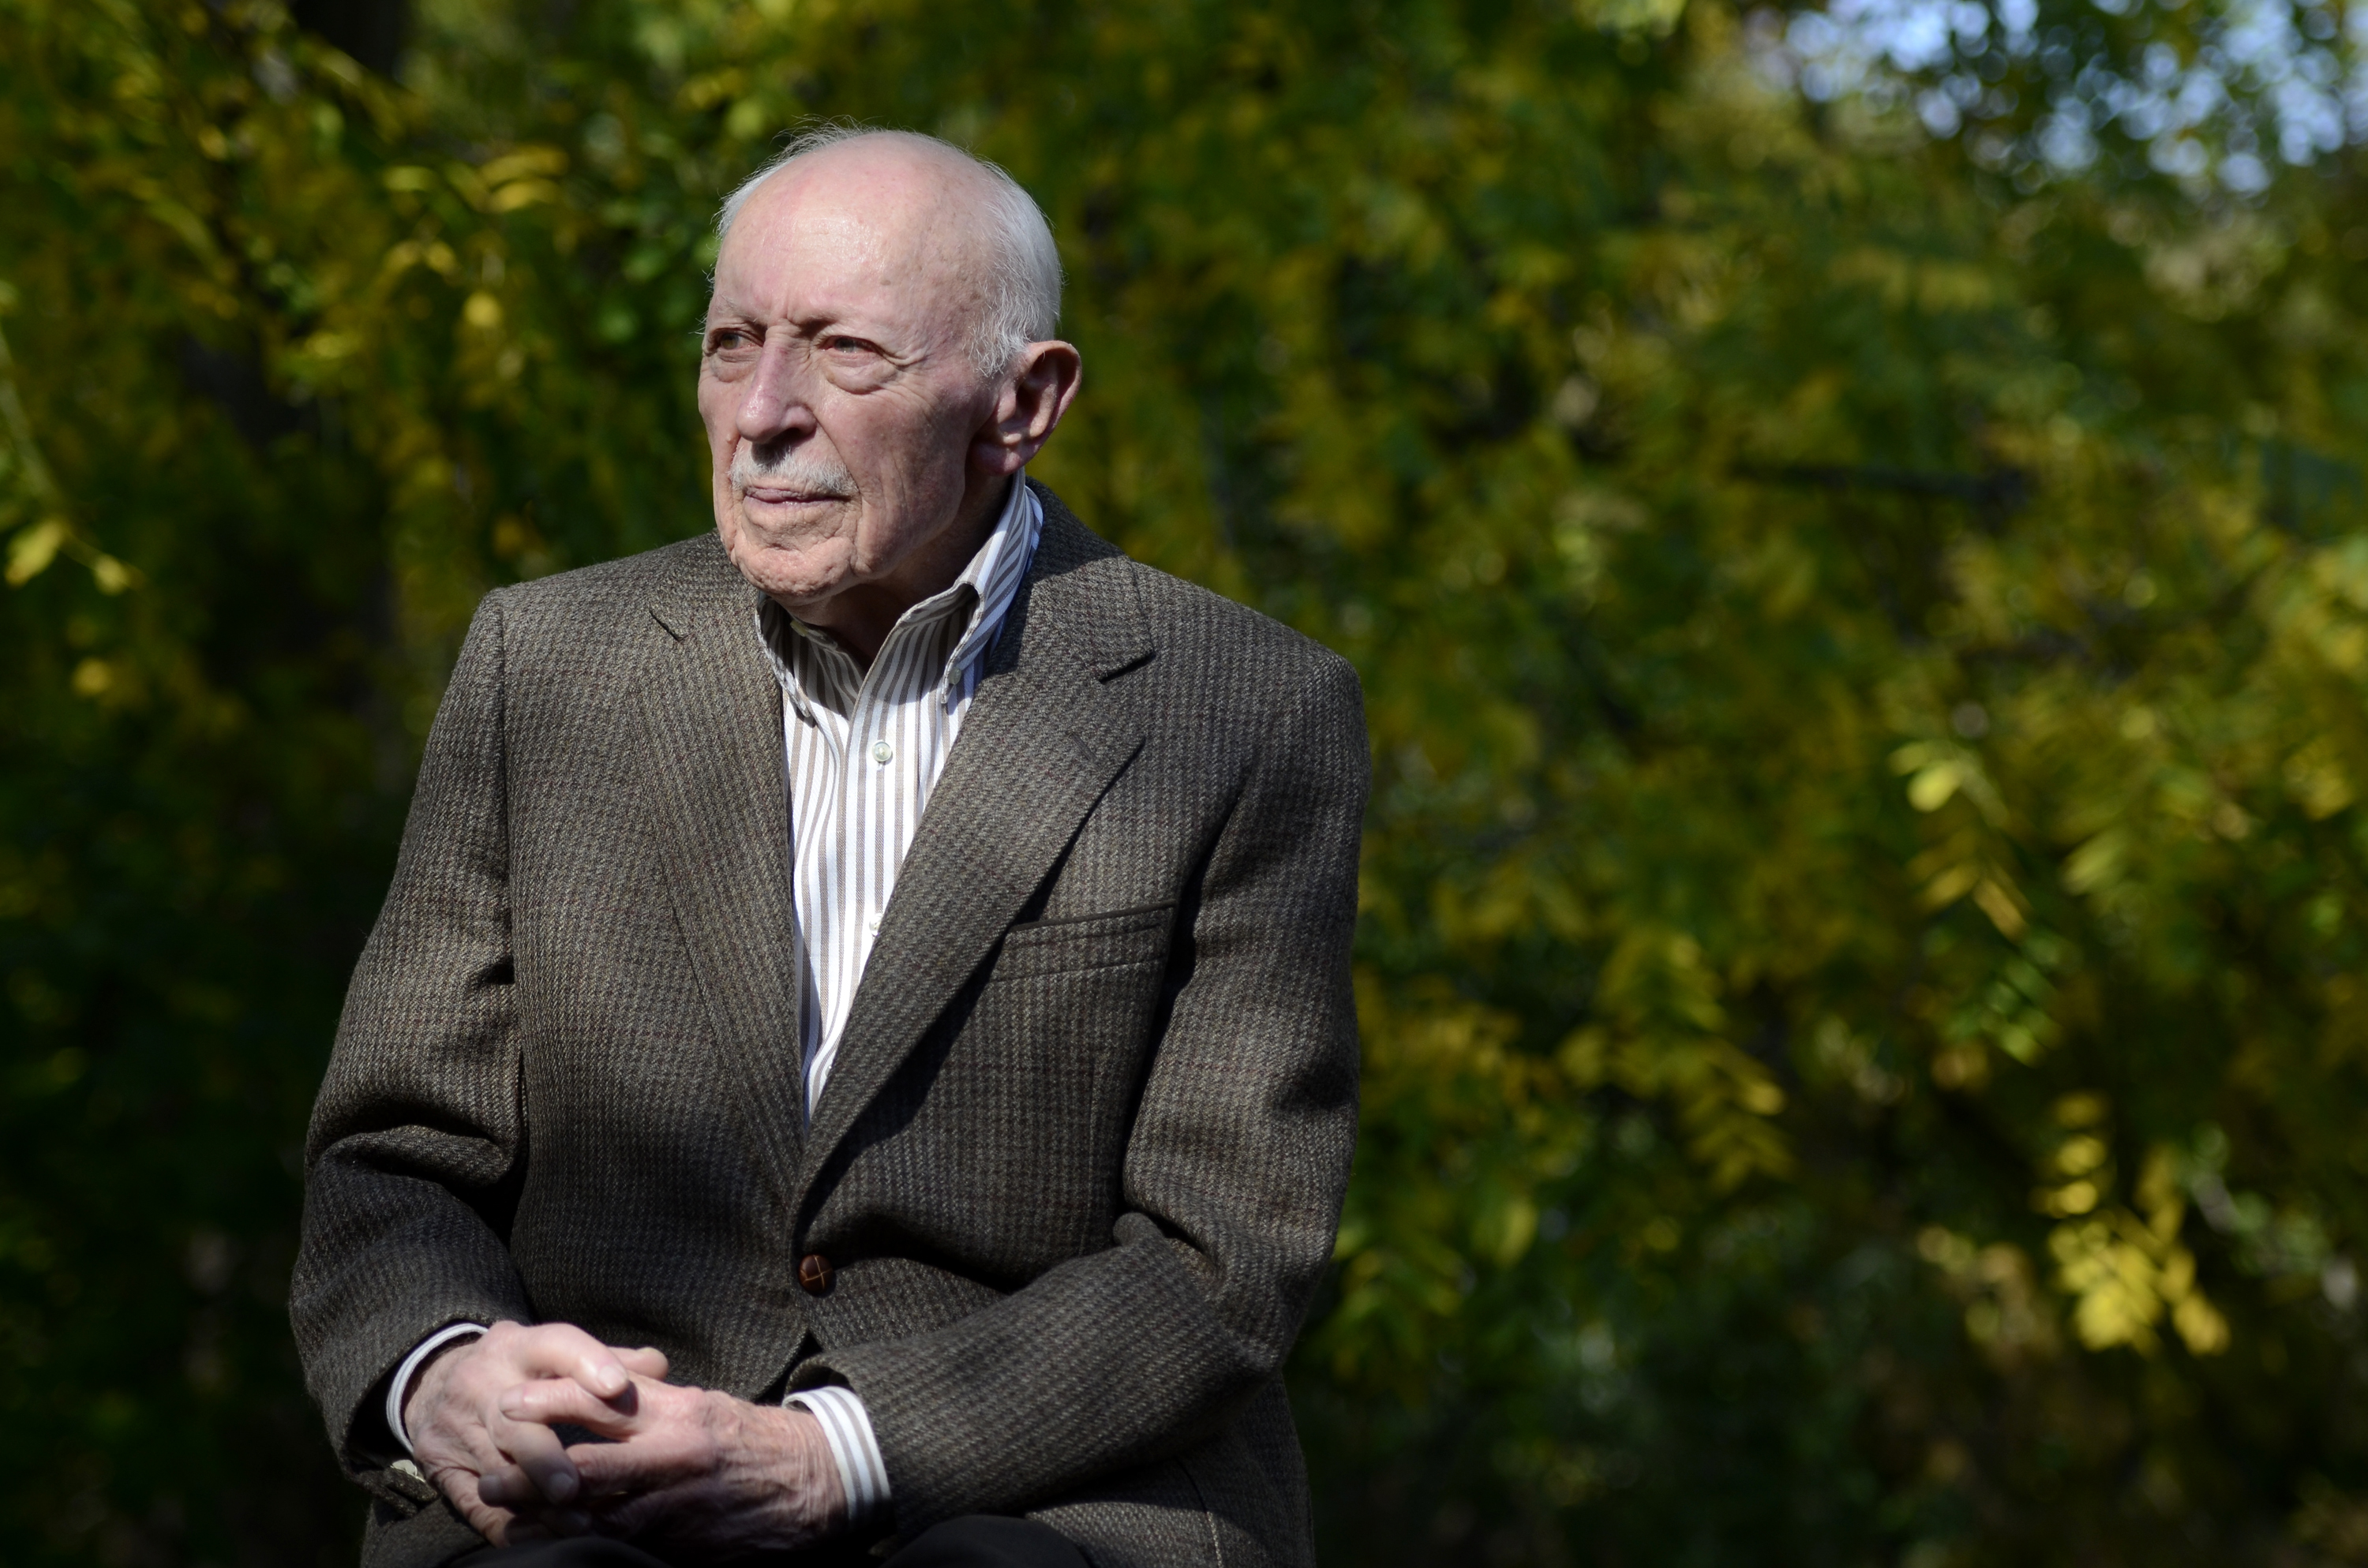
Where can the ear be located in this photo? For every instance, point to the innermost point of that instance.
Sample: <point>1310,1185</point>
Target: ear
<point>1029,404</point>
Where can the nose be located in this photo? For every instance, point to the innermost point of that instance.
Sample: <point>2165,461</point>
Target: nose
<point>775,405</point>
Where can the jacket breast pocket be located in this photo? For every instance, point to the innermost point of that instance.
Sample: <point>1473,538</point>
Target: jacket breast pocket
<point>1119,938</point>
<point>1036,1094</point>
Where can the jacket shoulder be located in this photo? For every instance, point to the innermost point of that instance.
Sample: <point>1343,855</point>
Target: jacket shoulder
<point>1196,629</point>
<point>653,577</point>
<point>1187,618</point>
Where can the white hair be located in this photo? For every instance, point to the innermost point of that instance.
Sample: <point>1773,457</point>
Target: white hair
<point>1023,285</point>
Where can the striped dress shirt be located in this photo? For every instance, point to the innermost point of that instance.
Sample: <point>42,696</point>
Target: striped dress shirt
<point>865,748</point>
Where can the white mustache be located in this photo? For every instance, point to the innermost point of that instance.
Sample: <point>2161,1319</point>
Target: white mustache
<point>803,471</point>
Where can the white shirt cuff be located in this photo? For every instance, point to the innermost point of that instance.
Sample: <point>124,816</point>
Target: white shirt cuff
<point>401,1384</point>
<point>847,1428</point>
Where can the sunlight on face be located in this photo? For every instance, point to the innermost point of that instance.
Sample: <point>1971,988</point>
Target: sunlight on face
<point>839,402</point>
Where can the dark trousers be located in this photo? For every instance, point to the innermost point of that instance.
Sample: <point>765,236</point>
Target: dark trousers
<point>975,1540</point>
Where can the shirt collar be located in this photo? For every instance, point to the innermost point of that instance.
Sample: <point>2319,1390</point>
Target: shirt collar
<point>987,584</point>
<point>994,576</point>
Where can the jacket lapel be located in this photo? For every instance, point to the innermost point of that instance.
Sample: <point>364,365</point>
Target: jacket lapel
<point>1042,740</point>
<point>716,761</point>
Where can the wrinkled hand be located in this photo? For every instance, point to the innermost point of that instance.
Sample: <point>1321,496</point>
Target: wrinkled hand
<point>697,1471</point>
<point>460,1433</point>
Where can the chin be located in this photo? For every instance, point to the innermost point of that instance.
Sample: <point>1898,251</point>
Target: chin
<point>784,572</point>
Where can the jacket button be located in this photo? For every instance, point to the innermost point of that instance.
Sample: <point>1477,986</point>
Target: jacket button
<point>815,1273</point>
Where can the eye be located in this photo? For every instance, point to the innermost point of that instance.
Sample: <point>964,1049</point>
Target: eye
<point>839,343</point>
<point>725,339</point>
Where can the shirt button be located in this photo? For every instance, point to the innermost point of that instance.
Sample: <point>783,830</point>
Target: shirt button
<point>883,751</point>
<point>873,925</point>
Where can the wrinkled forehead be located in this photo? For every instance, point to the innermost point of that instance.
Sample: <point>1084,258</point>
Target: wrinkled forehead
<point>880,238</point>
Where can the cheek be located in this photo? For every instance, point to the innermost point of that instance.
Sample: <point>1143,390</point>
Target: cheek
<point>718,406</point>
<point>910,456</point>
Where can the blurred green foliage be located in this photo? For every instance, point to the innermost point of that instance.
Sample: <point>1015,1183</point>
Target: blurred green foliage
<point>1864,634</point>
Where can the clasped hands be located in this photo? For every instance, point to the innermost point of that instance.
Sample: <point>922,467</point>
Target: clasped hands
<point>694,1471</point>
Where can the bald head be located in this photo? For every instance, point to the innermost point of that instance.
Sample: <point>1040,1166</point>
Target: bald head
<point>988,229</point>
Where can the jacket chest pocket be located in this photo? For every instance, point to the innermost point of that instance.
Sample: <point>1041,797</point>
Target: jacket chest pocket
<point>1041,1078</point>
<point>1122,938</point>
<point>1071,1001</point>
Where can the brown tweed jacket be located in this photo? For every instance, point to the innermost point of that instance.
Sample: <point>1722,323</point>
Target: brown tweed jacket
<point>1080,1160</point>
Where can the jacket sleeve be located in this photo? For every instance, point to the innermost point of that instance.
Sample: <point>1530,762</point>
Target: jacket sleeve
<point>416,1138</point>
<point>1232,1184</point>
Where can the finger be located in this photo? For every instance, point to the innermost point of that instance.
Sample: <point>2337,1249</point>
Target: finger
<point>538,1458</point>
<point>614,1471</point>
<point>456,1474</point>
<point>563,1350</point>
<point>550,1402</point>
<point>645,1362</point>
<point>512,1490</point>
<point>503,1487</point>
<point>508,1486</point>
<point>481,1454</point>
<point>494,1524</point>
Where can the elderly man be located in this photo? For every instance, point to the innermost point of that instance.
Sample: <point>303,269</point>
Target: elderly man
<point>858,1056</point>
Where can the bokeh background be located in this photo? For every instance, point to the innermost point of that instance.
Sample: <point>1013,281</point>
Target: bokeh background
<point>1853,527</point>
